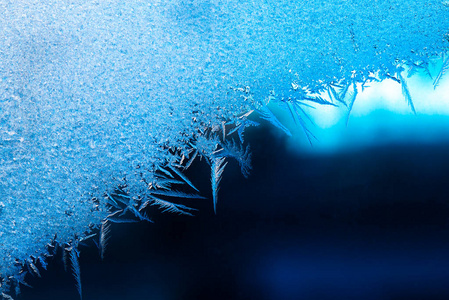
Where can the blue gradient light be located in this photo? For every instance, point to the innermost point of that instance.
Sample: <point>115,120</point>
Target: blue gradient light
<point>368,275</point>
<point>380,116</point>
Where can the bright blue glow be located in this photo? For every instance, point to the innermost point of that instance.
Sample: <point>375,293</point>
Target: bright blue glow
<point>380,116</point>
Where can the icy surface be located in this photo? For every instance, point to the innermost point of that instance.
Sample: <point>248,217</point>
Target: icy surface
<point>93,94</point>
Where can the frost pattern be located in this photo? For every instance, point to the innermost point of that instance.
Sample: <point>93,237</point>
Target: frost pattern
<point>104,103</point>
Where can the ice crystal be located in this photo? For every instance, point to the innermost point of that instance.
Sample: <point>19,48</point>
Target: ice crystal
<point>103,97</point>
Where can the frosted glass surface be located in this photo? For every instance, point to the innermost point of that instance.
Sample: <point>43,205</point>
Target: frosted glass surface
<point>94,94</point>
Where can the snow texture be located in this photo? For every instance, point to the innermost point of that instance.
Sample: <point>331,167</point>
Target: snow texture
<point>99,95</point>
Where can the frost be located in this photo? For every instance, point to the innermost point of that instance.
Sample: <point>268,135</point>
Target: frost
<point>74,259</point>
<point>106,97</point>
<point>217,168</point>
<point>444,68</point>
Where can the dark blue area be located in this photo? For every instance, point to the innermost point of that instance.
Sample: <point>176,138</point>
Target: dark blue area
<point>366,225</point>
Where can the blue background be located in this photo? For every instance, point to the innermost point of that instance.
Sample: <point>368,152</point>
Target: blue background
<point>368,224</point>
